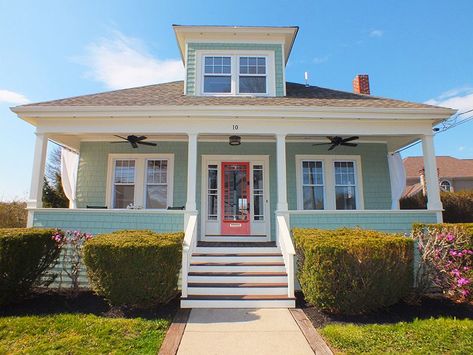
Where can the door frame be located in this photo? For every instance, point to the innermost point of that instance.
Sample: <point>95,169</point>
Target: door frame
<point>218,160</point>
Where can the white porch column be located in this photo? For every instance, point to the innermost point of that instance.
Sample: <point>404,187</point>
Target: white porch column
<point>281,172</point>
<point>191,172</point>
<point>37,176</point>
<point>430,172</point>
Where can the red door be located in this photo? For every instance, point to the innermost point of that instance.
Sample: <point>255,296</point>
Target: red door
<point>235,198</point>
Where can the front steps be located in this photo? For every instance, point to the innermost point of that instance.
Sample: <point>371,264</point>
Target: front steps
<point>230,274</point>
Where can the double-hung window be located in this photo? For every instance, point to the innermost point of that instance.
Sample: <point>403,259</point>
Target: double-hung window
<point>345,185</point>
<point>217,74</point>
<point>312,185</point>
<point>140,181</point>
<point>252,75</point>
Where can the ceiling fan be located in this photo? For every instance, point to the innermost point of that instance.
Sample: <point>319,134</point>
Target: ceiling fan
<point>336,141</point>
<point>135,140</point>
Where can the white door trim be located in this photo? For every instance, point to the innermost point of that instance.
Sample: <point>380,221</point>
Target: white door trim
<point>218,159</point>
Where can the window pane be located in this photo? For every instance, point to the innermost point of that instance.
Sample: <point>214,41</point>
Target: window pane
<point>209,60</point>
<point>124,172</point>
<point>257,178</point>
<point>212,212</point>
<point>156,196</point>
<point>252,84</point>
<point>258,208</point>
<point>226,61</point>
<point>123,195</point>
<point>156,171</point>
<point>312,173</point>
<point>313,197</point>
<point>345,197</point>
<point>212,179</point>
<point>209,69</point>
<point>217,84</point>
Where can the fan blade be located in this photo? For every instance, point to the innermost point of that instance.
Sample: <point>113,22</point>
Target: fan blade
<point>147,143</point>
<point>134,145</point>
<point>140,138</point>
<point>330,138</point>
<point>321,143</point>
<point>121,137</point>
<point>332,147</point>
<point>349,139</point>
<point>349,144</point>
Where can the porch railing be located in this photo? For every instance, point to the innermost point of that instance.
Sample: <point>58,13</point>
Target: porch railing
<point>188,246</point>
<point>287,249</point>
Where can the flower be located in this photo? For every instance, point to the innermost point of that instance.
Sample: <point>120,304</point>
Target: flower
<point>463,281</point>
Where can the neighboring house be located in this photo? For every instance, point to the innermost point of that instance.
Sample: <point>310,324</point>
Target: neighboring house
<point>239,148</point>
<point>454,174</point>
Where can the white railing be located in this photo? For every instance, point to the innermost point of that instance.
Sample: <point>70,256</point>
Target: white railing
<point>287,249</point>
<point>188,247</point>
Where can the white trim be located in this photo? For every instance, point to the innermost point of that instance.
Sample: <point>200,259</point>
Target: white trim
<point>309,212</point>
<point>329,179</point>
<point>107,210</point>
<point>140,183</point>
<point>217,160</point>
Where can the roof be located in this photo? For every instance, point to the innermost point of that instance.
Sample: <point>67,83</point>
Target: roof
<point>448,167</point>
<point>172,93</point>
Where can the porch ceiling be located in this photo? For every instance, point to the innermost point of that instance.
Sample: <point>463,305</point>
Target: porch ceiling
<point>73,141</point>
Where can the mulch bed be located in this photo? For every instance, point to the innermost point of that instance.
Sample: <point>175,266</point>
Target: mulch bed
<point>48,302</point>
<point>401,312</point>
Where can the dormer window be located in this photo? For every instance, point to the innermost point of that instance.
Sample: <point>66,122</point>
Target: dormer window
<point>234,73</point>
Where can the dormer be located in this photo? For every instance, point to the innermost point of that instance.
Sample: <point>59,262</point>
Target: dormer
<point>235,61</point>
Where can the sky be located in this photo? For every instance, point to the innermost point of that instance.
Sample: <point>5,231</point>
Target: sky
<point>413,50</point>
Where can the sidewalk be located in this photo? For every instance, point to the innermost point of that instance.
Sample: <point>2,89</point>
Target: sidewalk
<point>243,331</point>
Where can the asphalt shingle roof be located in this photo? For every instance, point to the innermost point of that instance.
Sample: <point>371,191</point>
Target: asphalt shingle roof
<point>173,94</point>
<point>448,167</point>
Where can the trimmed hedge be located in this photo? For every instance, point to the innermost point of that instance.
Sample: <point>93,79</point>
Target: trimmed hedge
<point>353,271</point>
<point>25,254</point>
<point>135,268</point>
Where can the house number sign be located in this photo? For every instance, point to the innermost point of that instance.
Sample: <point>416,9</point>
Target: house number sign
<point>235,127</point>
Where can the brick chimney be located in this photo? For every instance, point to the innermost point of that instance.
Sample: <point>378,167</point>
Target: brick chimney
<point>361,84</point>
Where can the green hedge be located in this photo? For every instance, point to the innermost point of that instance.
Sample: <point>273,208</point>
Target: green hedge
<point>136,268</point>
<point>353,271</point>
<point>25,254</point>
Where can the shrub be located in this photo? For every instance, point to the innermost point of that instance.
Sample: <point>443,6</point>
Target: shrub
<point>25,254</point>
<point>13,214</point>
<point>135,268</point>
<point>353,271</point>
<point>446,259</point>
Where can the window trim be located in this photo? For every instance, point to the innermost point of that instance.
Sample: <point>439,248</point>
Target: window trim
<point>238,74</point>
<point>140,178</point>
<point>356,179</point>
<point>449,182</point>
<point>204,74</point>
<point>329,179</point>
<point>235,70</point>
<point>301,166</point>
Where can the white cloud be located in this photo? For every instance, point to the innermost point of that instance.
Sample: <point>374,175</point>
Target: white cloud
<point>376,33</point>
<point>12,97</point>
<point>459,98</point>
<point>121,62</point>
<point>320,60</point>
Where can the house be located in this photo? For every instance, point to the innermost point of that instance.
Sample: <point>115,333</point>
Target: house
<point>246,154</point>
<point>454,174</point>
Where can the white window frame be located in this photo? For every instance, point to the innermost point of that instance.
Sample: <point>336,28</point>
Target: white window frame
<point>329,179</point>
<point>301,167</point>
<point>230,75</point>
<point>249,75</point>
<point>235,70</point>
<point>356,180</point>
<point>449,182</point>
<point>140,177</point>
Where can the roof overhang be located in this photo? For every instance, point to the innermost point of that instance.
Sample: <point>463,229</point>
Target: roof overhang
<point>284,34</point>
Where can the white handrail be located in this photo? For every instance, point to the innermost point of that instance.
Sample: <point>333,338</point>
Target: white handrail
<point>287,250</point>
<point>188,246</point>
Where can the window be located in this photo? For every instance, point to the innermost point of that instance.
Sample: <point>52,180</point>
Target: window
<point>123,183</point>
<point>258,193</point>
<point>156,183</point>
<point>140,181</point>
<point>212,193</point>
<point>312,185</point>
<point>217,74</point>
<point>252,78</point>
<point>345,185</point>
<point>445,185</point>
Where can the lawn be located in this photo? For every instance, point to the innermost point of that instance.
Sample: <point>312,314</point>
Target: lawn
<point>426,336</point>
<point>80,334</point>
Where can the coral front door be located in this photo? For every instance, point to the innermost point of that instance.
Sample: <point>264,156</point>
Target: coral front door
<point>235,198</point>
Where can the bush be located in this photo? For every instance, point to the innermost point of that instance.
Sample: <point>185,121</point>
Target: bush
<point>25,254</point>
<point>13,214</point>
<point>134,268</point>
<point>446,259</point>
<point>458,206</point>
<point>353,271</point>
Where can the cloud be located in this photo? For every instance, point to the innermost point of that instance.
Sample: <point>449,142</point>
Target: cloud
<point>458,98</point>
<point>12,97</point>
<point>320,60</point>
<point>121,62</point>
<point>376,33</point>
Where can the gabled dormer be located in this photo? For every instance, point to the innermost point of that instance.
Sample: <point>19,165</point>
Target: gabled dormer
<point>235,61</point>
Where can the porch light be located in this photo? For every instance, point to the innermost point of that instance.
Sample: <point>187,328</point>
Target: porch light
<point>234,140</point>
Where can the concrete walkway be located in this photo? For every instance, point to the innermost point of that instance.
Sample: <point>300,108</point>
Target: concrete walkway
<point>242,331</point>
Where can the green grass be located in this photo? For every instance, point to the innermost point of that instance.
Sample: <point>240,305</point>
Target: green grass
<point>429,336</point>
<point>80,334</point>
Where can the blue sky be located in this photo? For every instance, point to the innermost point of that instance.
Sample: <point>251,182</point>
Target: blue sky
<point>412,50</point>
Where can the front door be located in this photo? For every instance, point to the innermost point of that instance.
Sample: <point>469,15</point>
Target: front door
<point>235,198</point>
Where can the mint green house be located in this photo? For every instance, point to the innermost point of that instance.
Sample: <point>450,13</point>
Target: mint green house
<point>235,156</point>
